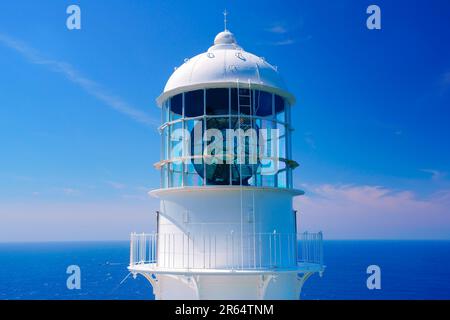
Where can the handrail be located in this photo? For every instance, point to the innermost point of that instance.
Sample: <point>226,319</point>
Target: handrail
<point>225,251</point>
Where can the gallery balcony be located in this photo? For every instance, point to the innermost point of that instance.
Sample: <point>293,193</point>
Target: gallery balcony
<point>226,253</point>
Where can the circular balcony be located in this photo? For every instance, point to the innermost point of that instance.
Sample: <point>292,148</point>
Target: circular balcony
<point>226,253</point>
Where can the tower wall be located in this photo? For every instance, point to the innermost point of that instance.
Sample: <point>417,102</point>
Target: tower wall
<point>201,228</point>
<point>285,286</point>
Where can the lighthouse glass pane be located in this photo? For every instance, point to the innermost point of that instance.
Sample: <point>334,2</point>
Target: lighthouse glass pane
<point>268,154</point>
<point>268,180</point>
<point>217,101</point>
<point>164,176</point>
<point>176,107</point>
<point>263,104</point>
<point>194,103</point>
<point>195,130</point>
<point>281,117</point>
<point>176,140</point>
<point>175,174</point>
<point>192,178</point>
<point>268,124</point>
<point>279,104</point>
<point>281,178</point>
<point>252,181</point>
<point>165,143</point>
<point>217,171</point>
<point>165,111</point>
<point>281,141</point>
<point>234,101</point>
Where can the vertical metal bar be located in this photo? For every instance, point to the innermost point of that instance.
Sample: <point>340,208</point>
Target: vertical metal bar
<point>270,249</point>
<point>232,250</point>
<point>204,252</point>
<point>173,251</point>
<point>183,152</point>
<point>275,246</point>
<point>131,250</point>
<point>193,252</point>
<point>229,127</point>
<point>188,250</point>
<point>280,247</point>
<point>182,250</point>
<point>165,250</point>
<point>321,248</point>
<point>288,239</point>
<point>205,128</point>
<point>209,250</point>
<point>149,248</point>
<point>227,263</point>
<point>260,253</point>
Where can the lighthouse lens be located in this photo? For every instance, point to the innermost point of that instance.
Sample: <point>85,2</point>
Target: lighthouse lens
<point>230,168</point>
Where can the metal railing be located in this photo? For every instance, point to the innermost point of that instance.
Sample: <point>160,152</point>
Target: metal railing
<point>226,251</point>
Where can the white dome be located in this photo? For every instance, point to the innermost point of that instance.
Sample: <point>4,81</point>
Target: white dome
<point>223,65</point>
<point>225,37</point>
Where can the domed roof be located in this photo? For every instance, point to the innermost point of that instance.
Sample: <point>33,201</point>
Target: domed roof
<point>223,65</point>
<point>225,37</point>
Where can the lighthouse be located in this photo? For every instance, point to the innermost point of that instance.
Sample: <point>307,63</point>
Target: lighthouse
<point>226,227</point>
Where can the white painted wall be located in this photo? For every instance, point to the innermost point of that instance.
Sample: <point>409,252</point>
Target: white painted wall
<point>280,286</point>
<point>201,227</point>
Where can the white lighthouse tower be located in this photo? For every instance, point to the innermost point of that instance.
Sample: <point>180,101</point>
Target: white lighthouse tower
<point>226,230</point>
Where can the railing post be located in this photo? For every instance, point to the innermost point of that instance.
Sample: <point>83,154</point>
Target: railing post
<point>305,251</point>
<point>260,249</point>
<point>232,250</point>
<point>155,247</point>
<point>188,239</point>
<point>173,251</point>
<point>204,251</point>
<point>193,252</point>
<point>131,249</point>
<point>270,250</point>
<point>321,248</point>
<point>182,250</point>
<point>275,246</point>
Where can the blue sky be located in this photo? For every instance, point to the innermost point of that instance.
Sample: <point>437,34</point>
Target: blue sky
<point>78,112</point>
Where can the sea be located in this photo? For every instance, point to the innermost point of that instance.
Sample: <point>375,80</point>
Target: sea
<point>412,270</point>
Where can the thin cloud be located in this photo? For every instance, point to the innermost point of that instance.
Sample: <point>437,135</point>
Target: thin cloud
<point>309,139</point>
<point>116,185</point>
<point>134,197</point>
<point>70,191</point>
<point>285,42</point>
<point>278,29</point>
<point>91,87</point>
<point>436,175</point>
<point>442,84</point>
<point>446,79</point>
<point>370,212</point>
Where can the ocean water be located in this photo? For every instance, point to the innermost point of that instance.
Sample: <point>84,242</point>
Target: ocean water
<point>409,270</point>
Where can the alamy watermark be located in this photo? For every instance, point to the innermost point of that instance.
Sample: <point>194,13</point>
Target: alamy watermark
<point>74,278</point>
<point>230,146</point>
<point>374,20</point>
<point>374,280</point>
<point>73,21</point>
